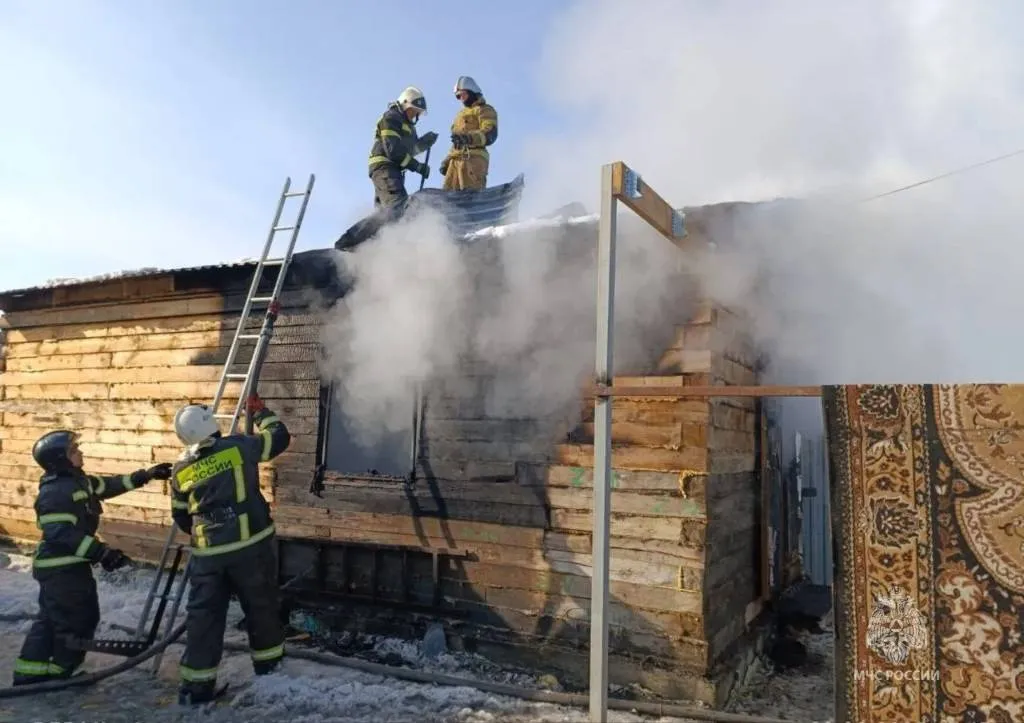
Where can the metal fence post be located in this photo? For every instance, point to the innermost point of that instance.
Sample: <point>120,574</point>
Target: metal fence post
<point>602,450</point>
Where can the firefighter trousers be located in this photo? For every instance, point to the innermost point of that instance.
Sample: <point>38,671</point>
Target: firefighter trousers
<point>68,606</point>
<point>251,575</point>
<point>465,172</point>
<point>389,194</point>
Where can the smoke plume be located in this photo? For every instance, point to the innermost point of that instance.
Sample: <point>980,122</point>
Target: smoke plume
<point>827,103</point>
<point>506,322</point>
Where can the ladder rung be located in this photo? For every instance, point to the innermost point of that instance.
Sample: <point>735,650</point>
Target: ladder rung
<point>224,416</point>
<point>284,228</point>
<point>273,262</point>
<point>249,336</point>
<point>262,299</point>
<point>234,375</point>
<point>293,194</point>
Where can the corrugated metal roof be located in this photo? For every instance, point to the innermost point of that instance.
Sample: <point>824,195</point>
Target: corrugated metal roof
<point>470,211</point>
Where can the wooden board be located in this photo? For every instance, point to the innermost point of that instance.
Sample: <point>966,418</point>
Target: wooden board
<point>213,354</point>
<point>637,458</point>
<point>335,523</point>
<point>21,439</point>
<point>174,307</point>
<point>668,436</point>
<point>150,391</point>
<point>23,426</point>
<point>271,371</point>
<point>176,332</point>
<point>658,411</point>
<point>45,410</point>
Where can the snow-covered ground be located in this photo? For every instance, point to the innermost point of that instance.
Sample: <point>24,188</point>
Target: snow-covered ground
<point>306,692</point>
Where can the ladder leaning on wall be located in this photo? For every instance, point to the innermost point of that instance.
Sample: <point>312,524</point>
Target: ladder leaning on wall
<point>246,377</point>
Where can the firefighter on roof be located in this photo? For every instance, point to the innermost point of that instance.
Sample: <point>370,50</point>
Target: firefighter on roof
<point>395,146</point>
<point>475,127</point>
<point>68,512</point>
<point>216,498</point>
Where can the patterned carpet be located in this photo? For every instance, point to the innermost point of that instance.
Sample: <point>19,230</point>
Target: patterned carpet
<point>928,509</point>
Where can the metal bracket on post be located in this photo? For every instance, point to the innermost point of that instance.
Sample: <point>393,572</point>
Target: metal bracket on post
<point>631,183</point>
<point>678,224</point>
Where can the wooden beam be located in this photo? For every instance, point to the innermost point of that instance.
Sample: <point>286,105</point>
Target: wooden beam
<point>645,202</point>
<point>602,390</point>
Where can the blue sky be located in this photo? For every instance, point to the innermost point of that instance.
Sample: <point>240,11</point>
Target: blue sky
<point>159,132</point>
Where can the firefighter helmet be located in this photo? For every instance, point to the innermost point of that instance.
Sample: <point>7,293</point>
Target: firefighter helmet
<point>412,97</point>
<point>51,450</point>
<point>195,423</point>
<point>467,83</point>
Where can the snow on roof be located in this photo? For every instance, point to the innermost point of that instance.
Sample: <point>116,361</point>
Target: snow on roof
<point>531,225</point>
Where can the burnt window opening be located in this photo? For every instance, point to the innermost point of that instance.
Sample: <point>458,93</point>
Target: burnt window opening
<point>391,455</point>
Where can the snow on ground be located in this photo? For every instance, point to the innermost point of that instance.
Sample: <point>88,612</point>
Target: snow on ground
<point>800,695</point>
<point>307,692</point>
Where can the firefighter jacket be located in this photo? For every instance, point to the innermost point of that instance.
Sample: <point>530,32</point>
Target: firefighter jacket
<point>394,141</point>
<point>68,512</point>
<point>480,123</point>
<point>215,488</point>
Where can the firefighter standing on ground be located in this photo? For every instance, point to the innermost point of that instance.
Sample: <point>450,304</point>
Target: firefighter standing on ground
<point>475,127</point>
<point>395,145</point>
<point>216,498</point>
<point>68,512</point>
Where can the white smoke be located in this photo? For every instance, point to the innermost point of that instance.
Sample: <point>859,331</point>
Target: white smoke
<point>507,323</point>
<point>748,101</point>
<point>827,102</point>
<point>399,326</point>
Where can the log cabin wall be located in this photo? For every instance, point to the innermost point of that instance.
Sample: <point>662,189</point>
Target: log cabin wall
<point>494,533</point>
<point>115,359</point>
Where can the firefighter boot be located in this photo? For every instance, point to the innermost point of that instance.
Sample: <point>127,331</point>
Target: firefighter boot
<point>266,667</point>
<point>200,693</point>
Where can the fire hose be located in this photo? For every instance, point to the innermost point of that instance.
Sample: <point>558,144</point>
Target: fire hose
<point>575,700</point>
<point>415,676</point>
<point>92,678</point>
<point>86,679</point>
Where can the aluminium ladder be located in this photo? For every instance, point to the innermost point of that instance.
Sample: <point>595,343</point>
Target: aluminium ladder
<point>262,339</point>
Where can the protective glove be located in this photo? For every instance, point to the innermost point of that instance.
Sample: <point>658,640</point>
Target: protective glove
<point>421,168</point>
<point>461,140</point>
<point>141,477</point>
<point>112,559</point>
<point>254,405</point>
<point>427,140</point>
<point>159,471</point>
<point>444,166</point>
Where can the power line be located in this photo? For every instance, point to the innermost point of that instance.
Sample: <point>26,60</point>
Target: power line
<point>945,175</point>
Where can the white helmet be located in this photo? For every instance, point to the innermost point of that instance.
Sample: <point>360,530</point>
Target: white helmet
<point>466,83</point>
<point>412,97</point>
<point>195,423</point>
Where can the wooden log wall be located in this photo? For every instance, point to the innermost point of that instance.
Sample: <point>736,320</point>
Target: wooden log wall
<point>520,566</point>
<point>115,360</point>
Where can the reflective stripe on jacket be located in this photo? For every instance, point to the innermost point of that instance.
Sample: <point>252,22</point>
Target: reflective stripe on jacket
<point>215,490</point>
<point>68,513</point>
<point>394,140</point>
